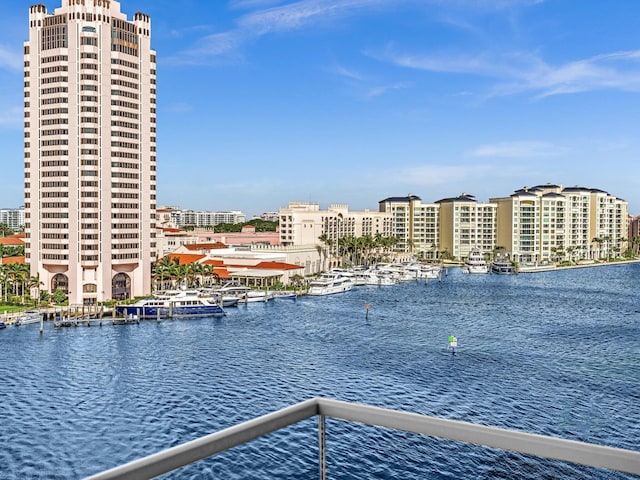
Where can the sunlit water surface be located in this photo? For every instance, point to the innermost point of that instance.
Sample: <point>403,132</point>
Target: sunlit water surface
<point>554,353</point>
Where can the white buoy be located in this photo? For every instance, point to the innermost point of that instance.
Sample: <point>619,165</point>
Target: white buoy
<point>453,343</point>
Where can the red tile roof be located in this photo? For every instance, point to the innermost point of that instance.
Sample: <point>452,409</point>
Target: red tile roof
<point>215,263</point>
<point>221,272</point>
<point>277,266</point>
<point>205,246</point>
<point>11,241</point>
<point>184,258</point>
<point>11,260</point>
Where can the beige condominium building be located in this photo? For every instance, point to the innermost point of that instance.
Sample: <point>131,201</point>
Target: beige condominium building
<point>90,150</point>
<point>552,223</point>
<point>303,223</point>
<point>466,224</point>
<point>415,224</point>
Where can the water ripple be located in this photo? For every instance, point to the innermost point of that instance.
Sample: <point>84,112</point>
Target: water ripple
<point>555,353</point>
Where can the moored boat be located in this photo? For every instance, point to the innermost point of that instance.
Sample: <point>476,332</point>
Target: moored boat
<point>28,318</point>
<point>475,262</point>
<point>330,283</point>
<point>244,294</point>
<point>285,296</point>
<point>503,266</point>
<point>184,304</point>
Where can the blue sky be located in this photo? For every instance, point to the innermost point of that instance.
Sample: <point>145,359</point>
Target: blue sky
<point>262,102</point>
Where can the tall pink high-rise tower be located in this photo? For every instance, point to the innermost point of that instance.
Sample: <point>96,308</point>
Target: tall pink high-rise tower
<point>90,150</point>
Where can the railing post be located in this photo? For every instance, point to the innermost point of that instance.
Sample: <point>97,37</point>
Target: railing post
<point>322,448</point>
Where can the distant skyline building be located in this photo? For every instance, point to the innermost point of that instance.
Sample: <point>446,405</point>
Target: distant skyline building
<point>179,218</point>
<point>90,150</point>
<point>12,217</point>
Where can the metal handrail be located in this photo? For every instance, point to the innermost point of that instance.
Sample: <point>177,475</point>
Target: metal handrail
<point>587,454</point>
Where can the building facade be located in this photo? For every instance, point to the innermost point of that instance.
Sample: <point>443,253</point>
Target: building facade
<point>303,223</point>
<point>184,218</point>
<point>90,150</point>
<point>465,224</point>
<point>12,218</point>
<point>550,223</point>
<point>416,225</point>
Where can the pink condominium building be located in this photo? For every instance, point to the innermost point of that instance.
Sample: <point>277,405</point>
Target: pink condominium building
<point>90,150</point>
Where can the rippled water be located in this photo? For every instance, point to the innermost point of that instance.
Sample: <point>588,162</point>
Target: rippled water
<point>556,353</point>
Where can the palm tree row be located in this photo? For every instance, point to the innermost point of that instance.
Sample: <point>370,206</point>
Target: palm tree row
<point>16,282</point>
<point>611,245</point>
<point>355,250</point>
<point>167,273</point>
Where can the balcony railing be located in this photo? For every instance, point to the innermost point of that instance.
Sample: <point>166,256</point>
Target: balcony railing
<point>580,453</point>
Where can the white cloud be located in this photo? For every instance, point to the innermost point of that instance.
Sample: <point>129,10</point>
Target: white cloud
<point>219,45</point>
<point>519,72</point>
<point>436,175</point>
<point>346,72</point>
<point>517,150</point>
<point>180,107</point>
<point>279,18</point>
<point>296,15</point>
<point>248,4</point>
<point>381,90</point>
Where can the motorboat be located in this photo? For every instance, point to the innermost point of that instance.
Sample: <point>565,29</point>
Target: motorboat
<point>503,266</point>
<point>375,278</point>
<point>225,300</point>
<point>183,304</point>
<point>286,296</point>
<point>423,270</point>
<point>28,318</point>
<point>244,294</point>
<point>3,325</point>
<point>475,262</point>
<point>397,271</point>
<point>330,283</point>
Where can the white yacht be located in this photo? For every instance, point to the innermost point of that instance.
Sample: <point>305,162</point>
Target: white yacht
<point>329,283</point>
<point>475,262</point>
<point>372,277</point>
<point>244,294</point>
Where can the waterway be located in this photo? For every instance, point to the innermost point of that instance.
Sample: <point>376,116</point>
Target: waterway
<point>556,353</point>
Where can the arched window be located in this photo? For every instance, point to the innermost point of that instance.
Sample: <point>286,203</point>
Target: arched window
<point>121,287</point>
<point>60,281</point>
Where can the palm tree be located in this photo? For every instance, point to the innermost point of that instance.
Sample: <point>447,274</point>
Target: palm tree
<point>635,242</point>
<point>328,243</point>
<point>4,282</point>
<point>35,283</point>
<point>367,244</point>
<point>599,241</point>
